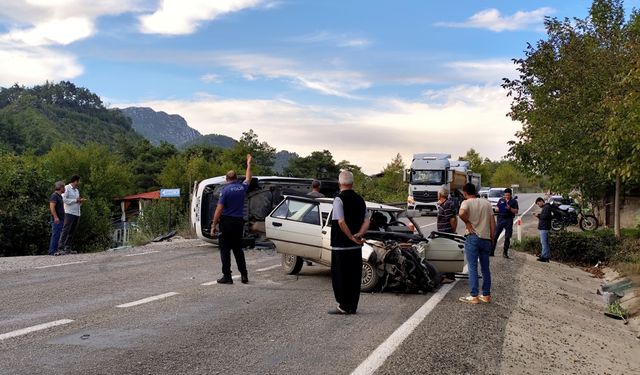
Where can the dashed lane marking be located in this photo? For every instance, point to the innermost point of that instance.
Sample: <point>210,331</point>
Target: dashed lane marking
<point>268,268</point>
<point>236,277</point>
<point>148,252</point>
<point>38,327</point>
<point>148,299</point>
<point>382,352</point>
<point>59,265</point>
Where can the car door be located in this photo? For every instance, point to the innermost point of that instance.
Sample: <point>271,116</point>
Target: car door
<point>294,226</point>
<point>326,240</point>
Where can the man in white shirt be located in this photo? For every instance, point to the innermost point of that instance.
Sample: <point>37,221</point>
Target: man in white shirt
<point>72,202</point>
<point>480,224</point>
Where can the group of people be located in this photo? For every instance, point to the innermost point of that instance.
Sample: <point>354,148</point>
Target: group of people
<point>349,215</point>
<point>64,207</point>
<point>482,231</point>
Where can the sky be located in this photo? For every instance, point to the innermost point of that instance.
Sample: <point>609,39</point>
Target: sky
<point>364,79</point>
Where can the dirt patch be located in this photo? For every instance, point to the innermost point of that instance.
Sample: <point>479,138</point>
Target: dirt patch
<point>558,326</point>
<point>596,272</point>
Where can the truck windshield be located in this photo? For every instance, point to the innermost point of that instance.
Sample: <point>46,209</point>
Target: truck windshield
<point>425,177</point>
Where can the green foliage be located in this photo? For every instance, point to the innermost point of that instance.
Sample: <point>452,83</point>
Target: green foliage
<point>236,157</point>
<point>319,165</point>
<point>582,248</point>
<point>24,209</point>
<point>39,117</point>
<point>160,217</point>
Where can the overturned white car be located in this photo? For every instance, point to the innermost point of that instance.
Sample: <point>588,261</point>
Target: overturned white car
<point>395,254</point>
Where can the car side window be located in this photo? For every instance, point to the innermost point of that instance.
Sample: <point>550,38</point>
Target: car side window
<point>305,212</point>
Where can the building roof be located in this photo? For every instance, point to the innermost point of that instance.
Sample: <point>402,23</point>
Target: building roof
<point>135,197</point>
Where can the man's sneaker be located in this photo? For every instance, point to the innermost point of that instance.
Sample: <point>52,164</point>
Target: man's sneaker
<point>244,279</point>
<point>484,299</point>
<point>470,299</point>
<point>224,280</point>
<point>541,259</point>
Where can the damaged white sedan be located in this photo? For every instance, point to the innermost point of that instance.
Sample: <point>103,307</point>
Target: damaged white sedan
<point>396,254</point>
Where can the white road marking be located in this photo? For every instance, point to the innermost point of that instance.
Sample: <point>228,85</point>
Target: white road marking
<point>236,277</point>
<point>382,352</point>
<point>59,265</point>
<point>267,268</point>
<point>148,252</point>
<point>427,225</point>
<point>148,299</point>
<point>39,327</point>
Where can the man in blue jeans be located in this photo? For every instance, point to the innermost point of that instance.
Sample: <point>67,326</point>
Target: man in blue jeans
<point>56,208</point>
<point>480,224</point>
<point>544,225</point>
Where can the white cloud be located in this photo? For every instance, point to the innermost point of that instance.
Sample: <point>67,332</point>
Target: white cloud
<point>211,78</point>
<point>337,82</point>
<point>63,32</point>
<point>483,71</point>
<point>340,40</point>
<point>492,19</point>
<point>180,17</point>
<point>369,135</point>
<point>31,66</point>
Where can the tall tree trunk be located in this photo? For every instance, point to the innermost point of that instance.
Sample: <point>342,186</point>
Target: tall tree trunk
<point>616,208</point>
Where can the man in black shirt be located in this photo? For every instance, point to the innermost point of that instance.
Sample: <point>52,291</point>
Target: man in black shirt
<point>544,225</point>
<point>506,209</point>
<point>348,226</point>
<point>56,208</point>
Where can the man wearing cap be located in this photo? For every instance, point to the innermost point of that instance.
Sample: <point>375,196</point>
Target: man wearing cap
<point>230,215</point>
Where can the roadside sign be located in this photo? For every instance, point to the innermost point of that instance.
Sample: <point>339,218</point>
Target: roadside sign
<point>515,186</point>
<point>169,193</point>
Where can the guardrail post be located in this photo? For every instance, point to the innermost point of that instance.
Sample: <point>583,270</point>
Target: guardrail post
<point>519,228</point>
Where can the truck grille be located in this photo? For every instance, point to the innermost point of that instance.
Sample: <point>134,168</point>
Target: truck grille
<point>425,196</point>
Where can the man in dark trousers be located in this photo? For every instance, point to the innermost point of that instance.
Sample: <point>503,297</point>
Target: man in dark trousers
<point>56,208</point>
<point>348,226</point>
<point>506,209</point>
<point>72,202</point>
<point>230,215</point>
<point>544,225</point>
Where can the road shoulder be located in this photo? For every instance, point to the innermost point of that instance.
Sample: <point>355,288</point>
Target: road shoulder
<point>557,326</point>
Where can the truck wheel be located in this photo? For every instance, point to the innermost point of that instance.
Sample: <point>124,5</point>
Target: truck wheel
<point>370,277</point>
<point>588,222</point>
<point>292,264</point>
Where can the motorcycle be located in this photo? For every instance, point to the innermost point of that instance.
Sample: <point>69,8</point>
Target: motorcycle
<point>569,213</point>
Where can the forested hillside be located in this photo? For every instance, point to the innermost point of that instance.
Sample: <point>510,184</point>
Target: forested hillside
<point>37,118</point>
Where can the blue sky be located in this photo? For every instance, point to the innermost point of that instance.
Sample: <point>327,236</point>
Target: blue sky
<point>364,79</point>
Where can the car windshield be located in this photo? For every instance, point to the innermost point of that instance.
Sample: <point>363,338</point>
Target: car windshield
<point>496,193</point>
<point>426,177</point>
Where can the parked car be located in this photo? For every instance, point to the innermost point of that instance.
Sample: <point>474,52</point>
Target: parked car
<point>484,192</point>
<point>494,195</point>
<point>300,229</point>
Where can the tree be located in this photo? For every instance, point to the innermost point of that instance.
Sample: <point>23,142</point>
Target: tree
<point>319,164</point>
<point>563,99</point>
<point>263,154</point>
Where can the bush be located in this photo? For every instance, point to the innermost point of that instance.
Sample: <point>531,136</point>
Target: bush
<point>582,248</point>
<point>159,217</point>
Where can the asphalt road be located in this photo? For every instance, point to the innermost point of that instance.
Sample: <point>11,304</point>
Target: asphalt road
<point>277,323</point>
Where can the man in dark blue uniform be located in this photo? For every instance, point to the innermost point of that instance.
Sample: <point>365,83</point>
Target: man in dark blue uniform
<point>230,215</point>
<point>506,209</point>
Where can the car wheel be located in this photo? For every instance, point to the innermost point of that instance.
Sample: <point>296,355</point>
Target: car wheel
<point>370,277</point>
<point>291,264</point>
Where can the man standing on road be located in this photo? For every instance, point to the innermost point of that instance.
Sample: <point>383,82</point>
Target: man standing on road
<point>72,203</point>
<point>480,228</point>
<point>230,214</point>
<point>56,208</point>
<point>447,220</point>
<point>544,225</point>
<point>349,224</point>
<point>507,209</point>
<point>315,190</point>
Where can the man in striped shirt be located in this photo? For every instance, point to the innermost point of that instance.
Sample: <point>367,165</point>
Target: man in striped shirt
<point>447,220</point>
